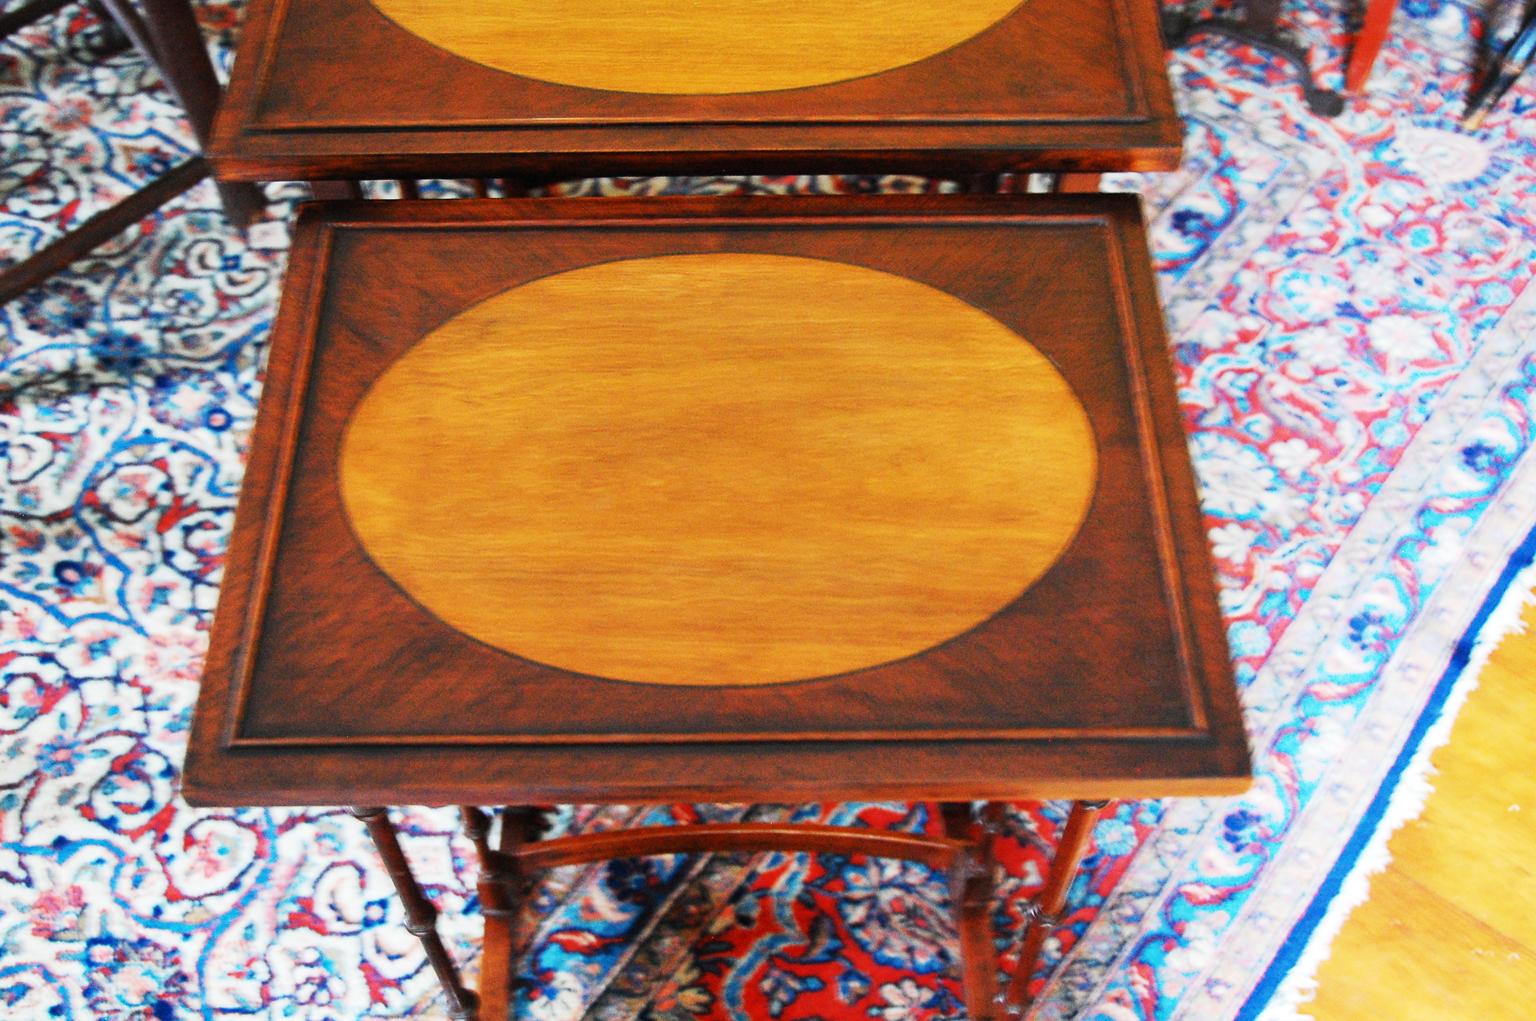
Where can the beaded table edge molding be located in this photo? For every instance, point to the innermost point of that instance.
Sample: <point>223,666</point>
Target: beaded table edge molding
<point>1182,732</point>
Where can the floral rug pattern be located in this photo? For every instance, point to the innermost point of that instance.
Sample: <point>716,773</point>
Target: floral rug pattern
<point>1355,339</point>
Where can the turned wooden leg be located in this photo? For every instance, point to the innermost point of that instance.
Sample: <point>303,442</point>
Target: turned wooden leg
<point>1044,911</point>
<point>420,913</point>
<point>171,39</point>
<point>495,886</point>
<point>1362,55</point>
<point>17,18</point>
<point>503,890</point>
<point>971,886</point>
<point>328,191</point>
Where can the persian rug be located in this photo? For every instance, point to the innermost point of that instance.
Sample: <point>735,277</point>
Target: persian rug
<point>1353,328</point>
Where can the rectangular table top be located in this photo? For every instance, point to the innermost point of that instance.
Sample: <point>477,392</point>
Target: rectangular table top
<point>717,499</point>
<point>470,88</point>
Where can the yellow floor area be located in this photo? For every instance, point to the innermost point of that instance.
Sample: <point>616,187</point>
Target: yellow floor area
<point>1449,932</point>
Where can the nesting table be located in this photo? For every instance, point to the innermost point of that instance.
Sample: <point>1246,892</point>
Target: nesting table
<point>349,89</point>
<point>734,499</point>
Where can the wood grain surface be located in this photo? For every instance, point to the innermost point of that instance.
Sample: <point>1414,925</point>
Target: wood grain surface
<point>723,468</point>
<point>1108,676</point>
<point>1449,932</point>
<point>708,46</point>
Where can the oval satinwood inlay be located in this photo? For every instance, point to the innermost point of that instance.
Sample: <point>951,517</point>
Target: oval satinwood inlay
<point>718,469</point>
<point>707,46</point>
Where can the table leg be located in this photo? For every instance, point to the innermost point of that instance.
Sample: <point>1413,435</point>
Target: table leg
<point>17,18</point>
<point>496,888</point>
<point>504,888</point>
<point>420,913</point>
<point>1362,55</point>
<point>971,886</point>
<point>1075,183</point>
<point>981,184</point>
<point>502,891</point>
<point>1044,911</point>
<point>335,191</point>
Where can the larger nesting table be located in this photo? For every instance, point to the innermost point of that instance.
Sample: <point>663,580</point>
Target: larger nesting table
<point>719,500</point>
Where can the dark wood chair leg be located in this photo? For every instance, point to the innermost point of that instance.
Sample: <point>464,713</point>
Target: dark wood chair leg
<point>1044,911</point>
<point>242,203</point>
<point>99,229</point>
<point>169,37</point>
<point>1362,55</point>
<point>420,914</point>
<point>170,30</point>
<point>408,188</point>
<point>20,17</point>
<point>971,885</point>
<point>178,50</point>
<point>1259,27</point>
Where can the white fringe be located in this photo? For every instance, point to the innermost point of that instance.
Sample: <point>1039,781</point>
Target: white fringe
<point>1405,805</point>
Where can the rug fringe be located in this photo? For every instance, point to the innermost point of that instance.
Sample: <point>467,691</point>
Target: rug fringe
<point>1406,804</point>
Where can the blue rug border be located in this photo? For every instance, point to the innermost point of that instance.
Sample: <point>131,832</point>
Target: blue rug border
<point>1290,952</point>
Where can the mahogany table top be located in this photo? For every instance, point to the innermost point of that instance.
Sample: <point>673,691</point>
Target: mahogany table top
<point>483,88</point>
<point>717,499</point>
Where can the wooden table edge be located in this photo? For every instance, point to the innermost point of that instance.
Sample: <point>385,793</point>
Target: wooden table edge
<point>236,162</point>
<point>216,772</point>
<point>235,794</point>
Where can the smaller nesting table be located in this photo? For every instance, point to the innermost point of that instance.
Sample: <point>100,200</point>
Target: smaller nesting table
<point>364,89</point>
<point>719,500</point>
